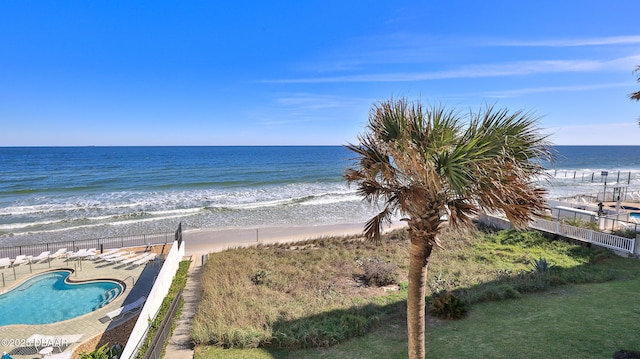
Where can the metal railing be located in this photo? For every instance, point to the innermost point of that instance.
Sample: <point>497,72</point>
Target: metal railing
<point>159,340</point>
<point>596,177</point>
<point>98,243</point>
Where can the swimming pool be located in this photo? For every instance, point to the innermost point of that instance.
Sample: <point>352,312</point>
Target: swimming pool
<point>49,298</point>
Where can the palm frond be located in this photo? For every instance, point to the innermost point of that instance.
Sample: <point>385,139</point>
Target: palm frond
<point>373,227</point>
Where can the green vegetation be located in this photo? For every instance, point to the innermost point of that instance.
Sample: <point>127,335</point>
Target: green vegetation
<point>178,283</point>
<point>104,352</point>
<point>627,233</point>
<point>282,298</point>
<point>447,306</point>
<point>579,222</point>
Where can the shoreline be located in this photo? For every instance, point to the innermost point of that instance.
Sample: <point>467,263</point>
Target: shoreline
<point>203,241</point>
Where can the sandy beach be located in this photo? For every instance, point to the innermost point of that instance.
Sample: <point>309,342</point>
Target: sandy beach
<point>202,241</point>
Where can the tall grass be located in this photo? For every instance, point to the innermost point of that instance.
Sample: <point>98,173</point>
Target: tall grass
<point>314,293</point>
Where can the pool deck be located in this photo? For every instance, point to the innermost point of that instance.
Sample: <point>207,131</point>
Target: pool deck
<point>138,280</point>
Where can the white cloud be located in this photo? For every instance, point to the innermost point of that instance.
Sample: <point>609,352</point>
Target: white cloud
<point>596,41</point>
<point>471,71</point>
<point>525,91</point>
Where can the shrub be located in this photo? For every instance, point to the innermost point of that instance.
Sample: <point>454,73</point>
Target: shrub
<point>626,233</point>
<point>439,284</point>
<point>104,352</point>
<point>260,277</point>
<point>540,265</point>
<point>579,222</point>
<point>379,272</point>
<point>447,306</point>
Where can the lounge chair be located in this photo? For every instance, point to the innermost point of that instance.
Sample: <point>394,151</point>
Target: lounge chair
<point>120,257</point>
<point>59,253</point>
<point>89,253</point>
<point>56,341</point>
<point>110,254</point>
<point>81,253</point>
<point>42,256</point>
<point>135,259</point>
<point>131,307</point>
<point>149,257</point>
<point>19,260</point>
<point>107,253</point>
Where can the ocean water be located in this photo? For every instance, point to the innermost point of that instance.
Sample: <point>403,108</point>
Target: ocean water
<point>59,193</point>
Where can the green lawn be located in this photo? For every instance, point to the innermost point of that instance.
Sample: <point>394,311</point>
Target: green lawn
<point>574,321</point>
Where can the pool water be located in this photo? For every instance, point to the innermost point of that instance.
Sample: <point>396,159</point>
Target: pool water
<point>49,298</point>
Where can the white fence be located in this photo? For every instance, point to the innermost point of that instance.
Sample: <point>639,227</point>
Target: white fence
<point>621,244</point>
<point>586,235</point>
<point>154,299</point>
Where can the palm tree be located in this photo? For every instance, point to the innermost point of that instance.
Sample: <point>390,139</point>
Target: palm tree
<point>636,95</point>
<point>437,166</point>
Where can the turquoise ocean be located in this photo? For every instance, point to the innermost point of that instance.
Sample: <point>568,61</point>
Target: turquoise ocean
<point>60,193</point>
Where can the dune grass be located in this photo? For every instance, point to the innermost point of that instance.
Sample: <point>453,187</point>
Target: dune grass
<point>283,298</point>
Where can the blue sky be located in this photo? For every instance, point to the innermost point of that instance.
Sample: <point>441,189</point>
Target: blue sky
<point>307,72</point>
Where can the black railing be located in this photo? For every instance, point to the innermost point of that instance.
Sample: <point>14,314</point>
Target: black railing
<point>179,235</point>
<point>98,243</point>
<point>595,177</point>
<point>159,340</point>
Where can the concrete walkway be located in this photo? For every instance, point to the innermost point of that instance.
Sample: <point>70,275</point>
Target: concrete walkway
<point>180,345</point>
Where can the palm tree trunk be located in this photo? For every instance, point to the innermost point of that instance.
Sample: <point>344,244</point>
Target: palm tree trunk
<point>418,260</point>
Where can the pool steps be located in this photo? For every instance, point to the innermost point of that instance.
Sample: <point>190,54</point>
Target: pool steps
<point>108,296</point>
